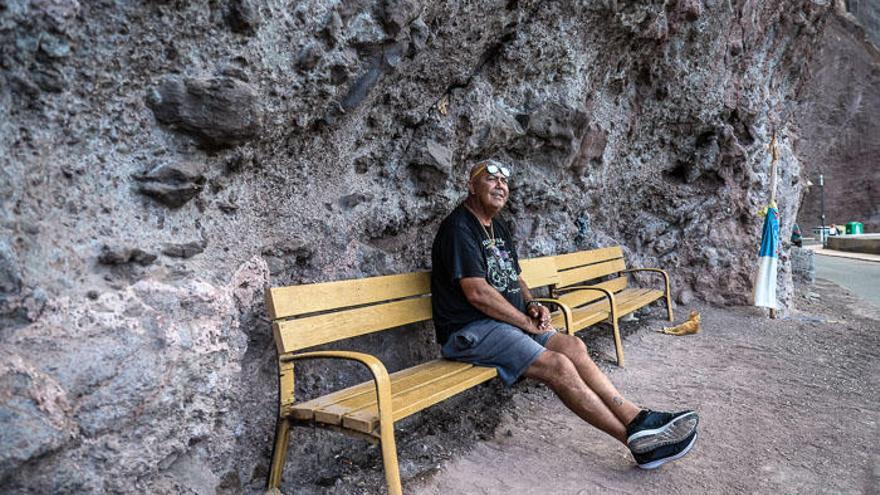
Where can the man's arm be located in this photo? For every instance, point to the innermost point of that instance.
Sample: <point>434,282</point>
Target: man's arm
<point>488,300</point>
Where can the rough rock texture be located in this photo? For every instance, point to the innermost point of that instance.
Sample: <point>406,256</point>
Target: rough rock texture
<point>867,13</point>
<point>161,163</point>
<point>839,129</point>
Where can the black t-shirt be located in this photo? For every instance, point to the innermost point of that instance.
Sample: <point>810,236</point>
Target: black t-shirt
<point>463,249</point>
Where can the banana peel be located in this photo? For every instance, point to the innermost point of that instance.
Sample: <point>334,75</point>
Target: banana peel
<point>691,326</point>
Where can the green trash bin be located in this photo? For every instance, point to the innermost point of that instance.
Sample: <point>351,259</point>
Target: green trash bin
<point>855,228</point>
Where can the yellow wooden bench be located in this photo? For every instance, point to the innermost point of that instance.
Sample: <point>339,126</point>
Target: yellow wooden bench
<point>589,303</point>
<point>305,316</point>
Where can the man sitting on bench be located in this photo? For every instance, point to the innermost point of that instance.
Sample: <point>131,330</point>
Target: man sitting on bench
<point>485,315</point>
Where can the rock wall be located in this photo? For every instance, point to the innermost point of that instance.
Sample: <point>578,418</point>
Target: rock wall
<point>867,13</point>
<point>839,133</point>
<point>163,162</point>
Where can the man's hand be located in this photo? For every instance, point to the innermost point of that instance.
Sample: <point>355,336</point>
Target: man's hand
<point>540,314</point>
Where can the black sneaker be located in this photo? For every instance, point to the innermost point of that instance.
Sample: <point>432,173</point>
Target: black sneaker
<point>667,453</point>
<point>652,429</point>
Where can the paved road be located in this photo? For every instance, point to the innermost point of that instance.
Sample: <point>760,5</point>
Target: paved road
<point>861,277</point>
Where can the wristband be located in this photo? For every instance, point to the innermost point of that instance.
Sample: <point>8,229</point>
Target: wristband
<point>533,302</point>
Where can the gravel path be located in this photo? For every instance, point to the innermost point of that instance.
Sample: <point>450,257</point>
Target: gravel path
<point>787,406</point>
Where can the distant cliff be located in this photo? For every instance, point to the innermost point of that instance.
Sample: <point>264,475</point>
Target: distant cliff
<point>839,132</point>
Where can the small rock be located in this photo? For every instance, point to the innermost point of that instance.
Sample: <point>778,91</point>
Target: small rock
<point>363,31</point>
<point>218,112</point>
<point>240,160</point>
<point>227,206</point>
<point>361,88</point>
<point>392,55</point>
<point>308,57</point>
<point>172,184</point>
<point>398,13</point>
<point>350,201</point>
<point>419,33</point>
<point>184,250</point>
<point>440,156</point>
<point>362,164</point>
<point>691,9</point>
<point>115,256</point>
<point>338,74</point>
<point>332,32</point>
<point>235,71</point>
<point>34,304</point>
<point>243,16</point>
<point>592,149</point>
<point>684,297</point>
<point>54,47</point>
<point>10,273</point>
<point>287,255</point>
<point>49,79</point>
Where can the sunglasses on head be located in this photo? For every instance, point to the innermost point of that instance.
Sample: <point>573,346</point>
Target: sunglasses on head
<point>492,169</point>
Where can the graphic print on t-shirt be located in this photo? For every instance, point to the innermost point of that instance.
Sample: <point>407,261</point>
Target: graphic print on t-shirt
<point>500,271</point>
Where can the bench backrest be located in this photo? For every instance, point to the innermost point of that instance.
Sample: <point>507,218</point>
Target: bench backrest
<point>583,267</point>
<point>314,314</point>
<point>539,272</point>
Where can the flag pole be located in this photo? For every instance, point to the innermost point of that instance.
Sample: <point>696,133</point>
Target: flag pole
<point>774,153</point>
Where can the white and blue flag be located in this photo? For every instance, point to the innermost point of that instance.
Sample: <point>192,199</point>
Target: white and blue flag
<point>768,259</point>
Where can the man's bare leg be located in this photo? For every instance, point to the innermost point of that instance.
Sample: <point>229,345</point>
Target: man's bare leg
<point>561,375</point>
<point>575,349</point>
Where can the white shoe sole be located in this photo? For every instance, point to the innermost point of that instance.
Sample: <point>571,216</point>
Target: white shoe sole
<point>660,462</point>
<point>672,432</point>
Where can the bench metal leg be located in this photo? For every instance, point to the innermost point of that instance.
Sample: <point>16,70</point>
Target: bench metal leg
<point>279,454</point>
<point>618,344</point>
<point>668,304</point>
<point>389,457</point>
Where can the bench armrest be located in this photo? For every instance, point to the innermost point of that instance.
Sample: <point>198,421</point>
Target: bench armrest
<point>380,376</point>
<point>566,311</point>
<point>655,270</point>
<point>383,399</point>
<point>608,295</point>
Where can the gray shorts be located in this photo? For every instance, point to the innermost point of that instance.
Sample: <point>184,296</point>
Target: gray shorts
<point>493,343</point>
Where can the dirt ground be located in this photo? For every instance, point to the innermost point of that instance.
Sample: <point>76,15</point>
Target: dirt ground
<point>786,406</point>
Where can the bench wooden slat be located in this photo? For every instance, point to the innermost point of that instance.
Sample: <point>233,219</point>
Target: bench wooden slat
<point>403,383</point>
<point>643,299</point>
<point>306,410</point>
<point>583,318</point>
<point>539,272</point>
<point>366,420</point>
<point>284,302</point>
<point>582,275</point>
<point>578,298</point>
<point>627,301</point>
<point>581,258</point>
<point>293,335</point>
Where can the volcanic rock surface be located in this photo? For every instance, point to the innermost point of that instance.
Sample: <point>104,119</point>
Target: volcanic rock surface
<point>162,163</point>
